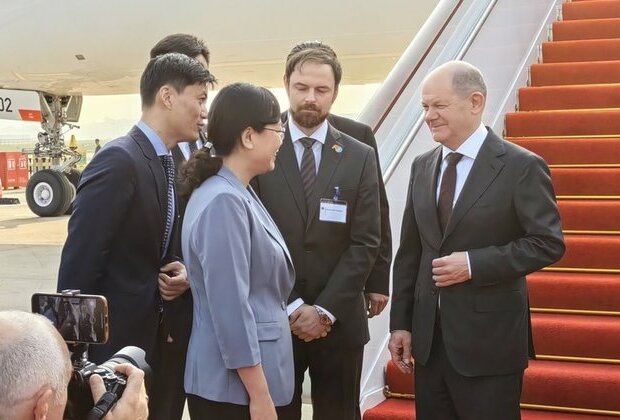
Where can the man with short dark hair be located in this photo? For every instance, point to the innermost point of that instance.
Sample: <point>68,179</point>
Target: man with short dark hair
<point>193,47</point>
<point>180,309</point>
<point>129,252</point>
<point>378,283</point>
<point>324,197</point>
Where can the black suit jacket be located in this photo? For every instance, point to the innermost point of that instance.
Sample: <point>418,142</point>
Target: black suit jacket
<point>332,260</point>
<point>379,278</point>
<point>507,219</point>
<point>114,243</point>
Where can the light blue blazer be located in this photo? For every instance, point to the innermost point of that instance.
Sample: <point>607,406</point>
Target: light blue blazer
<point>241,275</point>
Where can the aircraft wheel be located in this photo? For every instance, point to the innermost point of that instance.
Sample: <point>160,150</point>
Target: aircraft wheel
<point>48,193</point>
<point>74,179</point>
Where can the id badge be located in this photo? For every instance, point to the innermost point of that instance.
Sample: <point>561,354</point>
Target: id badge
<point>334,210</point>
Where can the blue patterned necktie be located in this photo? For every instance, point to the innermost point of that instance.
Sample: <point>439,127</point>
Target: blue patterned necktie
<point>168,165</point>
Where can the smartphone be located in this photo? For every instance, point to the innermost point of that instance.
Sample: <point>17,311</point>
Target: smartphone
<point>79,318</point>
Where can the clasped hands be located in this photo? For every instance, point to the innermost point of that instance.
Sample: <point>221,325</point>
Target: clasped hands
<point>305,323</point>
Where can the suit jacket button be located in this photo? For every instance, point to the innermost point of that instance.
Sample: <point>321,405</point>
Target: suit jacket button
<point>434,291</point>
<point>283,305</point>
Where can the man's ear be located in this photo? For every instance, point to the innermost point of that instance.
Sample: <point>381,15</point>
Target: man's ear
<point>335,95</point>
<point>285,81</point>
<point>43,400</point>
<point>165,95</point>
<point>477,103</point>
<point>246,138</point>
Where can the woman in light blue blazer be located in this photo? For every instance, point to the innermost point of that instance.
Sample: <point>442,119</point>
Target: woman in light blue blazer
<point>240,356</point>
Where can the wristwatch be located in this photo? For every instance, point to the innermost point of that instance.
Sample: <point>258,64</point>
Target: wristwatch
<point>323,317</point>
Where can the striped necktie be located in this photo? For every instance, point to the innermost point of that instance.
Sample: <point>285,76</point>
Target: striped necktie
<point>307,168</point>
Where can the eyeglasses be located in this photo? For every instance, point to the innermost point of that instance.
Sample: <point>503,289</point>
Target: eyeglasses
<point>281,132</point>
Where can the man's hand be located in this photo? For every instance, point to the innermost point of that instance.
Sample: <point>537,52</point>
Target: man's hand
<point>376,303</point>
<point>400,349</point>
<point>133,404</point>
<point>451,269</point>
<point>173,280</point>
<point>305,323</point>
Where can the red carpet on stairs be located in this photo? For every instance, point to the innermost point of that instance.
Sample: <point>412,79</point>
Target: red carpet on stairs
<point>570,115</point>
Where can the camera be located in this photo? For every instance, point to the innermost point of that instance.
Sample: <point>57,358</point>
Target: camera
<point>80,404</point>
<point>82,320</point>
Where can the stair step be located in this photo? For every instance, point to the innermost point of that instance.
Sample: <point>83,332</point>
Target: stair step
<point>574,335</point>
<point>569,30</point>
<point>569,97</point>
<point>397,381</point>
<point>594,386</point>
<point>569,384</point>
<point>573,150</point>
<point>591,252</point>
<point>586,181</point>
<point>595,9</point>
<point>552,74</point>
<point>563,123</point>
<point>576,291</point>
<point>581,50</point>
<point>590,215</point>
<point>398,409</point>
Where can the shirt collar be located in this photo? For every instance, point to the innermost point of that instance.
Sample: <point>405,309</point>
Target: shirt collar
<point>156,141</point>
<point>320,134</point>
<point>471,146</point>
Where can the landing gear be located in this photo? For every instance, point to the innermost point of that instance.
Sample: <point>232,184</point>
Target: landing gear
<point>49,193</point>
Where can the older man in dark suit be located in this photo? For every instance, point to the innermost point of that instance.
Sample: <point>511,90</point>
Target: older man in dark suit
<point>324,197</point>
<point>480,215</point>
<point>128,253</point>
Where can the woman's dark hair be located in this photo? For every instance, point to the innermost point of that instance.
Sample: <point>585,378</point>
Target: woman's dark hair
<point>235,108</point>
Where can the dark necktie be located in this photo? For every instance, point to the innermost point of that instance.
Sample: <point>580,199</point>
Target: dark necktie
<point>308,168</point>
<point>168,165</point>
<point>192,147</point>
<point>446,191</point>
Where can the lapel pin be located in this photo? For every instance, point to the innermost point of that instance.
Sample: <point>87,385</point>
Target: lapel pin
<point>337,148</point>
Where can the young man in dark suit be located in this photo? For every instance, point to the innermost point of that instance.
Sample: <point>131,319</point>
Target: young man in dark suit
<point>180,309</point>
<point>128,253</point>
<point>324,197</point>
<point>378,283</point>
<point>480,215</point>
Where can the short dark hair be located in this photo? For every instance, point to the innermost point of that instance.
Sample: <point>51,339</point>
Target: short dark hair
<point>316,52</point>
<point>235,108</point>
<point>177,70</point>
<point>183,44</point>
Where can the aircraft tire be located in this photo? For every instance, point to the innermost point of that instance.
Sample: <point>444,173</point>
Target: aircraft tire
<point>48,193</point>
<point>74,179</point>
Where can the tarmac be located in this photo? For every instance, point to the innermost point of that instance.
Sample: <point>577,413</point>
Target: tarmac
<point>30,248</point>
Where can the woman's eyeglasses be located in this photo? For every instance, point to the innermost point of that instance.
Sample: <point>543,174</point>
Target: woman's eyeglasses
<point>281,132</point>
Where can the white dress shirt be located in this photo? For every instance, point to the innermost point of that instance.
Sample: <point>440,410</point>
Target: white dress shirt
<point>320,134</point>
<point>469,149</point>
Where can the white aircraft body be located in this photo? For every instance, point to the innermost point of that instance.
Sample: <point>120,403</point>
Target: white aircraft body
<point>60,51</point>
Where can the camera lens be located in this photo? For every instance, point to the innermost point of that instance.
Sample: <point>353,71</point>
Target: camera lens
<point>133,355</point>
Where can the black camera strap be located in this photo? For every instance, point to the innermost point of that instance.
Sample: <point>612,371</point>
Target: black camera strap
<point>101,408</point>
